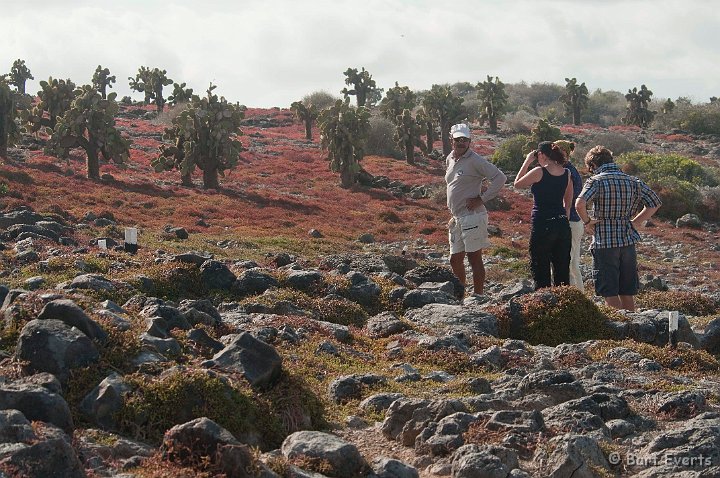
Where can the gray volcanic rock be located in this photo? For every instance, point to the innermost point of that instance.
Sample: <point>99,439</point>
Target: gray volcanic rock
<point>52,346</point>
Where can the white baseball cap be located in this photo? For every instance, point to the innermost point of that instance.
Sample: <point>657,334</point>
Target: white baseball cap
<point>458,130</point>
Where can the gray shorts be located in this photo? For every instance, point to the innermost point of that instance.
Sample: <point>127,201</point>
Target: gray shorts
<point>469,233</point>
<point>615,271</point>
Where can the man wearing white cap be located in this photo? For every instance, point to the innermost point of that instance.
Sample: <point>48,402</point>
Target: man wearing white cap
<point>465,172</point>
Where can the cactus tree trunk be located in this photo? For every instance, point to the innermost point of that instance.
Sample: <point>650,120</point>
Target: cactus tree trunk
<point>576,114</point>
<point>210,176</point>
<point>430,133</point>
<point>493,124</point>
<point>3,135</point>
<point>347,178</point>
<point>445,134</point>
<point>93,164</point>
<point>308,129</point>
<point>410,150</point>
<point>186,180</point>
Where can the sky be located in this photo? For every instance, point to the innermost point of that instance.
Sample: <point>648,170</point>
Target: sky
<point>265,53</point>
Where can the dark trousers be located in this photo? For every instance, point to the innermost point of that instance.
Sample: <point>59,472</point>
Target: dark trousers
<point>550,242</point>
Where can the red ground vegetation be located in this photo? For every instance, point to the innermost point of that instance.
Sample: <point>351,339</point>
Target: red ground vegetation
<point>282,186</point>
<point>684,138</point>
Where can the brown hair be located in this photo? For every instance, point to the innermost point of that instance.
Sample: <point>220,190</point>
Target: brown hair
<point>598,156</point>
<point>557,155</point>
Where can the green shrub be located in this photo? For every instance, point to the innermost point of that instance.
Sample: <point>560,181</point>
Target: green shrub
<point>381,140</point>
<point>559,315</point>
<point>686,302</point>
<point>320,99</point>
<point>336,310</point>
<point>174,281</point>
<point>509,155</point>
<point>709,207</point>
<point>678,198</point>
<point>654,167</point>
<point>705,121</point>
<point>676,179</point>
<point>605,108</point>
<point>156,405</point>
<point>691,360</point>
<point>618,143</point>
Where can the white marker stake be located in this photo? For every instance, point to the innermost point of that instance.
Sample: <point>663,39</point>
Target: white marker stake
<point>102,243</point>
<point>673,327</point>
<point>131,240</point>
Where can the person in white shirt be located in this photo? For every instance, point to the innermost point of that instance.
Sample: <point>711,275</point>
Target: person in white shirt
<point>465,173</point>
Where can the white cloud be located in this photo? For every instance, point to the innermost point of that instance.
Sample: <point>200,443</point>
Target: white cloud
<point>270,53</point>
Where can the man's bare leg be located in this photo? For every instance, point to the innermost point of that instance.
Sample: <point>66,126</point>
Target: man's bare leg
<point>478,269</point>
<point>457,263</point>
<point>628,302</point>
<point>614,301</point>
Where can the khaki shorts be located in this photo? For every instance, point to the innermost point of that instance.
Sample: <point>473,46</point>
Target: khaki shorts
<point>469,233</point>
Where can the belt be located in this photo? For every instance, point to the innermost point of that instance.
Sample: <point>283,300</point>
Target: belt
<point>561,216</point>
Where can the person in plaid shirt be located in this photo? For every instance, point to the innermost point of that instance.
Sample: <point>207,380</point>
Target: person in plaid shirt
<point>615,197</point>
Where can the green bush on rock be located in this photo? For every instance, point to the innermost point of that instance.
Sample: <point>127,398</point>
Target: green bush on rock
<point>553,316</point>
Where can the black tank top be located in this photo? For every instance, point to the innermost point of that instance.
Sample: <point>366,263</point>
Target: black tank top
<point>548,194</point>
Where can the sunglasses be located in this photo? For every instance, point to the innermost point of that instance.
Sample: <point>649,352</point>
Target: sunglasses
<point>461,139</point>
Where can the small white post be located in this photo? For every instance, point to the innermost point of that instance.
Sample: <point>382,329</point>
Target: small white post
<point>673,327</point>
<point>131,245</point>
<point>102,244</point>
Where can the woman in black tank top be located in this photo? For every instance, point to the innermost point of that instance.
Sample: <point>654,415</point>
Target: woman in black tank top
<point>550,236</point>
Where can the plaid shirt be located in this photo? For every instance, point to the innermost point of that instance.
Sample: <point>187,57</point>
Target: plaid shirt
<point>616,197</point>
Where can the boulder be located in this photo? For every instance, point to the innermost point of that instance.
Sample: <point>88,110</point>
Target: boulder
<point>385,467</point>
<point>344,458</point>
<point>454,319</point>
<point>104,401</point>
<point>384,325</point>
<point>203,440</point>
<point>689,220</point>
<point>253,282</point>
<point>71,314</point>
<point>407,417</point>
<point>52,346</point>
<point>37,403</point>
<point>48,452</point>
<point>257,361</point>
<point>216,275</point>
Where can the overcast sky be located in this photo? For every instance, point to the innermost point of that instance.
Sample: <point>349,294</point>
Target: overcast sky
<point>266,53</point>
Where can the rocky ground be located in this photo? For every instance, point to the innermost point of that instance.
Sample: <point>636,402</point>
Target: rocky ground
<point>368,363</point>
<point>224,349</point>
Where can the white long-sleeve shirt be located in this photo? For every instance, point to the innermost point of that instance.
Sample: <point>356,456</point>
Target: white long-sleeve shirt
<point>464,178</point>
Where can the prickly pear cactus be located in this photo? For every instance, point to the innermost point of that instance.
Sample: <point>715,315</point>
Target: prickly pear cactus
<point>151,82</point>
<point>204,136</point>
<point>543,131</point>
<point>19,74</point>
<point>494,101</point>
<point>56,96</point>
<point>575,98</point>
<point>344,131</point>
<point>397,99</point>
<point>306,114</point>
<point>102,80</point>
<point>180,94</point>
<point>89,124</point>
<point>445,109</point>
<point>9,131</point>
<point>407,134</point>
<point>638,113</point>
<point>364,87</point>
